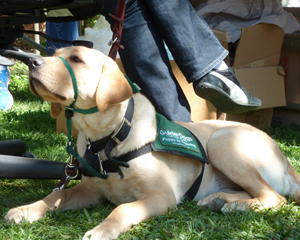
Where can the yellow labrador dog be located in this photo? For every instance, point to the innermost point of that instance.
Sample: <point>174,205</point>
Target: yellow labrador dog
<point>246,168</point>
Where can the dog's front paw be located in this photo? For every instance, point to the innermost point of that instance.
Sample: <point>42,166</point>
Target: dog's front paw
<point>28,213</point>
<point>101,233</point>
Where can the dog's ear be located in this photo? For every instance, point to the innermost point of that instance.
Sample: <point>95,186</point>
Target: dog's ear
<point>113,87</point>
<point>55,110</point>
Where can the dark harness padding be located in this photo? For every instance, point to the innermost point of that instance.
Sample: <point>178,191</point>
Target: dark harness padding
<point>114,166</point>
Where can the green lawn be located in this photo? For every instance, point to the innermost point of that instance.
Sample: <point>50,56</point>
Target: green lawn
<point>30,121</point>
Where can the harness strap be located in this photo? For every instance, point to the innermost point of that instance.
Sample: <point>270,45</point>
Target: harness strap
<point>191,193</point>
<point>188,196</point>
<point>108,144</point>
<point>98,145</point>
<point>120,135</point>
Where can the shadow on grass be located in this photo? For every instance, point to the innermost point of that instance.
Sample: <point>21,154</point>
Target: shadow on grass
<point>36,128</point>
<point>286,134</point>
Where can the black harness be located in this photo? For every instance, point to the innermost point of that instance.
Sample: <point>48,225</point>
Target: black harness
<point>91,165</point>
<point>108,143</point>
<point>113,165</point>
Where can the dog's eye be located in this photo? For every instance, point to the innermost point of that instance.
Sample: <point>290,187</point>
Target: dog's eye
<point>75,59</point>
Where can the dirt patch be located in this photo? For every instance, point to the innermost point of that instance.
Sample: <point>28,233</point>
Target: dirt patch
<point>22,46</point>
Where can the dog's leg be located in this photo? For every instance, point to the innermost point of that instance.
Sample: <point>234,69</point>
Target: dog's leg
<point>240,200</point>
<point>262,194</point>
<point>249,164</point>
<point>264,201</point>
<point>82,195</point>
<point>295,193</point>
<point>126,215</point>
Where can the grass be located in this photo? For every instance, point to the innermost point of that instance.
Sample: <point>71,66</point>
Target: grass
<point>30,121</point>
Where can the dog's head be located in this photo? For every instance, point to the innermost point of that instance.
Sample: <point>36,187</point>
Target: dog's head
<point>99,80</point>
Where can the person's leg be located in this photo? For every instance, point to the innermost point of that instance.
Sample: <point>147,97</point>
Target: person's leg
<point>192,43</point>
<point>198,52</point>
<point>60,30</point>
<point>146,62</point>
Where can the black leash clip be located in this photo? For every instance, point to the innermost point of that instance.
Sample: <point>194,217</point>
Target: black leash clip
<point>69,113</point>
<point>102,171</point>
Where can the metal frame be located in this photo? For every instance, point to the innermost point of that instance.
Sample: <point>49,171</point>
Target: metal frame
<point>11,27</point>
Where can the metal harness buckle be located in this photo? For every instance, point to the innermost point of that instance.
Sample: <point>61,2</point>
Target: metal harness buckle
<point>118,130</point>
<point>112,41</point>
<point>70,165</point>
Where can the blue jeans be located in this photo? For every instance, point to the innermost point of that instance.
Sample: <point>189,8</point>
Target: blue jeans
<point>196,50</point>
<point>63,31</point>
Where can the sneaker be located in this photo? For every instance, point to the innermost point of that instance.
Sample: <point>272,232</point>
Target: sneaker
<point>225,92</point>
<point>6,99</point>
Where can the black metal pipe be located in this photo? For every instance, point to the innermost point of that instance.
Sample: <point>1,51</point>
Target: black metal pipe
<point>84,43</point>
<point>12,147</point>
<point>33,44</point>
<point>22,56</point>
<point>30,168</point>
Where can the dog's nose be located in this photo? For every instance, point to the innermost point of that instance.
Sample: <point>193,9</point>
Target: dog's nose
<point>35,63</point>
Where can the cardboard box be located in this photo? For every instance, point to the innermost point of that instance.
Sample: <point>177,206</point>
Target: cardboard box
<point>255,64</point>
<point>259,45</point>
<point>290,60</point>
<point>265,83</point>
<point>258,118</point>
<point>268,85</point>
<point>200,108</point>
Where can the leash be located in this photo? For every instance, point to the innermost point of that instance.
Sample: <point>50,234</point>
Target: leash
<point>69,114</point>
<point>115,43</point>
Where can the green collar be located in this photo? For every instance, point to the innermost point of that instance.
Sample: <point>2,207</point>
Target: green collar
<point>72,105</point>
<point>70,113</point>
<point>134,87</point>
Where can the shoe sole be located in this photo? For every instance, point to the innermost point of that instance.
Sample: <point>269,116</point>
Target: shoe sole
<point>221,100</point>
